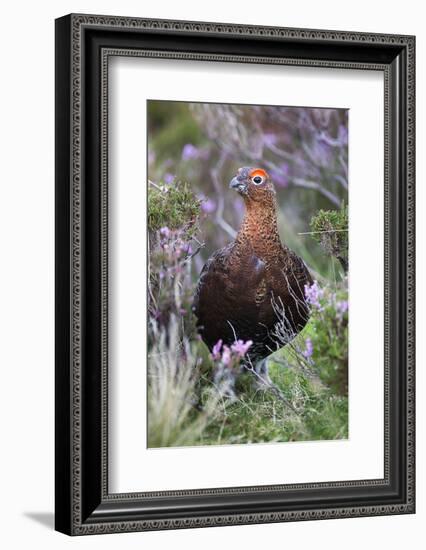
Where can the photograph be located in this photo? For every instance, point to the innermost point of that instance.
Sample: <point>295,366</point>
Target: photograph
<point>234,271</point>
<point>248,262</point>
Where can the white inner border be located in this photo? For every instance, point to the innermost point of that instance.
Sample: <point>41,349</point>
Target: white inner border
<point>133,467</point>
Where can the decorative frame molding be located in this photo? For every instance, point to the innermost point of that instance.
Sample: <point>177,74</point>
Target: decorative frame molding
<point>84,43</point>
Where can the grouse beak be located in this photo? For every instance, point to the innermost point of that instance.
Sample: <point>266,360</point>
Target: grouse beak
<point>239,185</point>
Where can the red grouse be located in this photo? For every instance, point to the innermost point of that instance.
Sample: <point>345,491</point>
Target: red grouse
<point>248,286</point>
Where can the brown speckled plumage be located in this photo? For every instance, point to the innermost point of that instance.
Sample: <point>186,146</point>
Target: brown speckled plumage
<point>240,282</point>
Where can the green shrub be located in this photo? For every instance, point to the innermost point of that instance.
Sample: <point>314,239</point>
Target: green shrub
<point>326,336</point>
<point>330,229</point>
<point>174,206</point>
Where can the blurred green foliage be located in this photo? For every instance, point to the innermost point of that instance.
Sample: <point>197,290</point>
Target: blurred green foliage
<point>170,127</point>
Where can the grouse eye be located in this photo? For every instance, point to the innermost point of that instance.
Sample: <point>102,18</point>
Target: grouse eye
<point>257,180</point>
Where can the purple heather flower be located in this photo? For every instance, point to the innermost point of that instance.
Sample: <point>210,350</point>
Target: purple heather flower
<point>216,349</point>
<point>177,251</point>
<point>226,356</point>
<point>189,152</point>
<point>208,206</point>
<point>165,232</point>
<point>240,347</point>
<point>169,178</point>
<point>313,293</point>
<point>182,248</point>
<point>309,348</point>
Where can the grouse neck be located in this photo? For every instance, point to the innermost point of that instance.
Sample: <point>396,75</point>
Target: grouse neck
<point>260,229</point>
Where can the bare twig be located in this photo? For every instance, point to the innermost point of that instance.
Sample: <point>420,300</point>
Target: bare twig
<point>156,186</point>
<point>324,231</point>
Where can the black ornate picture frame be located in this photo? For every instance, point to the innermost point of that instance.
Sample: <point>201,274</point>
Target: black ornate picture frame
<point>84,43</point>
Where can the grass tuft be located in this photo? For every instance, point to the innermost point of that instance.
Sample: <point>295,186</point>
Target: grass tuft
<point>173,386</point>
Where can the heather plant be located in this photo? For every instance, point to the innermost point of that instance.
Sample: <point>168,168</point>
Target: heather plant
<point>320,351</point>
<point>172,205</point>
<point>171,288</point>
<point>228,364</point>
<point>331,229</point>
<point>171,249</point>
<point>326,344</point>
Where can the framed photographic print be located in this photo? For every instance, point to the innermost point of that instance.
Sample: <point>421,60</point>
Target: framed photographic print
<point>234,274</point>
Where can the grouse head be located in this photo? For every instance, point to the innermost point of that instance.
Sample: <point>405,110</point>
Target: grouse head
<point>254,185</point>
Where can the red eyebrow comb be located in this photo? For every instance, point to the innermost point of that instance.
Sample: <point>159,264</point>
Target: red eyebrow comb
<point>258,172</point>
